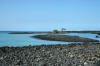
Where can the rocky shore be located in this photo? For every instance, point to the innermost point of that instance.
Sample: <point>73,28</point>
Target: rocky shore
<point>95,32</point>
<point>30,32</point>
<point>65,38</point>
<point>51,55</point>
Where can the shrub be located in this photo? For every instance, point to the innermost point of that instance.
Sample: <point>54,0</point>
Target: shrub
<point>63,29</point>
<point>56,31</point>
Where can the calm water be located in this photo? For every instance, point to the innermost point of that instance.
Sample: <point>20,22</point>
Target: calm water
<point>26,40</point>
<point>23,40</point>
<point>85,35</point>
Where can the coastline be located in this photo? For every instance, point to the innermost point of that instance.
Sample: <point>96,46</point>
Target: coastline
<point>49,32</point>
<point>50,55</point>
<point>75,54</point>
<point>65,38</point>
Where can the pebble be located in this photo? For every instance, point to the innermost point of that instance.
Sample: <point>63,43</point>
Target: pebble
<point>50,55</point>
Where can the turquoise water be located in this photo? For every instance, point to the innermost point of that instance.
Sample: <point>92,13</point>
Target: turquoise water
<point>26,40</point>
<point>85,35</point>
<point>23,40</point>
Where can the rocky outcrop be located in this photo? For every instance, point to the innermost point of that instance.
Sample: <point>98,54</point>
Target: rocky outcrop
<point>65,38</point>
<point>29,32</point>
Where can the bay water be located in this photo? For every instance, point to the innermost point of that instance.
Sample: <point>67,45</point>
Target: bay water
<point>14,40</point>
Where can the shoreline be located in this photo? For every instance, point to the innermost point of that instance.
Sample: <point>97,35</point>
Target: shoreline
<point>49,32</point>
<point>65,38</point>
<point>50,55</point>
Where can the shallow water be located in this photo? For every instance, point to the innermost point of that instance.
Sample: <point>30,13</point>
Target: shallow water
<point>85,35</point>
<point>26,40</point>
<point>23,40</point>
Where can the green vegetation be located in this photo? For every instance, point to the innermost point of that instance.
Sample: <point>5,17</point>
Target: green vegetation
<point>63,29</point>
<point>56,31</point>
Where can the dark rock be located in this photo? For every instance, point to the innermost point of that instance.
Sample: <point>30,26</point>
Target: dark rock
<point>65,38</point>
<point>51,55</point>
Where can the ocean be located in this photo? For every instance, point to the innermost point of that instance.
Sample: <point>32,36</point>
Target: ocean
<point>13,40</point>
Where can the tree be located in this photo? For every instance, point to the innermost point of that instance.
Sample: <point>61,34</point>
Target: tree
<point>63,29</point>
<point>56,31</point>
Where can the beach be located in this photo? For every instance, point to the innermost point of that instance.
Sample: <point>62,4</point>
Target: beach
<point>51,55</point>
<point>81,52</point>
<point>49,32</point>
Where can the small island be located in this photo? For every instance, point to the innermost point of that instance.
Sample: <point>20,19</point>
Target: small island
<point>65,38</point>
<point>58,35</point>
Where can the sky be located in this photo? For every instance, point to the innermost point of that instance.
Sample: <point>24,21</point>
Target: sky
<point>47,15</point>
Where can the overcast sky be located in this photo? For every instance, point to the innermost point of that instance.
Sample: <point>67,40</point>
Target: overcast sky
<point>42,15</point>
